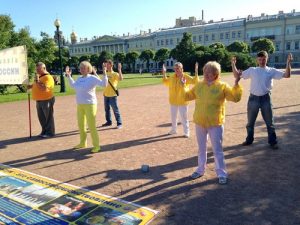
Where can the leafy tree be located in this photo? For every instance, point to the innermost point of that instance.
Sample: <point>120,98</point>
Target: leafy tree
<point>64,58</point>
<point>104,55</point>
<point>162,55</point>
<point>46,49</point>
<point>95,60</point>
<point>244,61</point>
<point>217,45</point>
<point>6,29</point>
<point>263,44</point>
<point>130,59</point>
<point>147,55</point>
<point>185,51</point>
<point>84,58</point>
<point>73,62</point>
<point>238,46</point>
<point>119,57</point>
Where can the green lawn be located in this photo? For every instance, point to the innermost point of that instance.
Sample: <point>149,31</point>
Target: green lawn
<point>130,80</point>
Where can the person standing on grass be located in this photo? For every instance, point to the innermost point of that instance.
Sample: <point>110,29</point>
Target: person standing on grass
<point>178,84</point>
<point>85,87</point>
<point>111,93</point>
<point>42,92</point>
<point>260,94</point>
<point>210,96</point>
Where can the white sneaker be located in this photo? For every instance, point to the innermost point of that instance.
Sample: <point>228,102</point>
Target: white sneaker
<point>119,127</point>
<point>172,132</point>
<point>186,135</point>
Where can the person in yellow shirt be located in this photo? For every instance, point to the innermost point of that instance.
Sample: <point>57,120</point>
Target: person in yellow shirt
<point>42,92</point>
<point>210,96</point>
<point>178,84</point>
<point>110,94</point>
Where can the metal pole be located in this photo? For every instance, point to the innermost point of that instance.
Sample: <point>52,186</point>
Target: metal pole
<point>62,79</point>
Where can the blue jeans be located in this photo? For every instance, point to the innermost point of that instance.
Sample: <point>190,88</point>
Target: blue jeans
<point>112,102</point>
<point>263,103</point>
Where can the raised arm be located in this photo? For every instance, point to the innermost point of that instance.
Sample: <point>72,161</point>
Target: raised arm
<point>235,71</point>
<point>196,71</point>
<point>68,73</point>
<point>288,69</point>
<point>120,71</point>
<point>163,71</point>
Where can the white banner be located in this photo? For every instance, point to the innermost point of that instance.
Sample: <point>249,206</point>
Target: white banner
<point>13,65</point>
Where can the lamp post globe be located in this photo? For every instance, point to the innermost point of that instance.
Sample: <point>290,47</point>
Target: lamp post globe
<point>62,79</point>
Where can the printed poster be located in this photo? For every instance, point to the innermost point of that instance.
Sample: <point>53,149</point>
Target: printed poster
<point>26,198</point>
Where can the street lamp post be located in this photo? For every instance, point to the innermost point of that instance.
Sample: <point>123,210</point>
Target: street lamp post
<point>62,79</point>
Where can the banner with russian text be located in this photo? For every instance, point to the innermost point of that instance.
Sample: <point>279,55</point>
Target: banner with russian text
<point>13,65</point>
<point>26,198</point>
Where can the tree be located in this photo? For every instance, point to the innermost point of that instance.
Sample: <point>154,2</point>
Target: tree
<point>94,59</point>
<point>263,44</point>
<point>162,55</point>
<point>147,55</point>
<point>104,55</point>
<point>84,58</point>
<point>130,59</point>
<point>74,63</point>
<point>217,45</point>
<point>119,57</point>
<point>238,46</point>
<point>6,29</point>
<point>185,51</point>
<point>46,49</point>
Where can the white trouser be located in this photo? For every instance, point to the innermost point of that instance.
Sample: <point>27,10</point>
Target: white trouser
<point>216,138</point>
<point>183,111</point>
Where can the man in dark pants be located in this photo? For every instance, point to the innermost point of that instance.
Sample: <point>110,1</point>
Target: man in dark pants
<point>110,94</point>
<point>42,92</point>
<point>260,94</point>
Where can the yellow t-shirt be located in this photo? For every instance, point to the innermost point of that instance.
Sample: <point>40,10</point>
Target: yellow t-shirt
<point>177,88</point>
<point>113,77</point>
<point>210,101</point>
<point>40,95</point>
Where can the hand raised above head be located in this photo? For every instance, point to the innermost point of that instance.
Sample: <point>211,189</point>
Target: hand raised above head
<point>68,71</point>
<point>196,67</point>
<point>233,60</point>
<point>119,66</point>
<point>164,69</point>
<point>289,57</point>
<point>104,68</point>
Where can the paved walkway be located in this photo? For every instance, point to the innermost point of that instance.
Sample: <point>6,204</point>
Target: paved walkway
<point>263,187</point>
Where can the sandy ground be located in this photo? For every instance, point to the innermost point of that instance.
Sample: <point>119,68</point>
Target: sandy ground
<point>263,186</point>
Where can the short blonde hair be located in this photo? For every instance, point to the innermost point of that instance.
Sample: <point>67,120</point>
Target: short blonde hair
<point>87,65</point>
<point>214,67</point>
<point>178,64</point>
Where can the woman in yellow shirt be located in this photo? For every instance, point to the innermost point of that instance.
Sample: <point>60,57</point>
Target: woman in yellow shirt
<point>209,116</point>
<point>179,84</point>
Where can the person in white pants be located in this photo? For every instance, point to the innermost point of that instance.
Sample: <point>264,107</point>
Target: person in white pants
<point>178,84</point>
<point>209,116</point>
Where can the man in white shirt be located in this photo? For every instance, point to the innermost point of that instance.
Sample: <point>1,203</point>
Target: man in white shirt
<point>260,94</point>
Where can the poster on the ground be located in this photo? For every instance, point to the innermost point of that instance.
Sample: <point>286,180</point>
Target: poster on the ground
<point>26,198</point>
<point>13,65</point>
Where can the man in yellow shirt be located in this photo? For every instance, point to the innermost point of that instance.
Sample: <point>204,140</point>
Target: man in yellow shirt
<point>42,92</point>
<point>110,94</point>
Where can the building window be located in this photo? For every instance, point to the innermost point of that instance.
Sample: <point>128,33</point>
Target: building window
<point>200,38</point>
<point>141,44</point>
<point>167,41</point>
<point>233,34</point>
<point>157,42</point>
<point>171,62</point>
<point>276,59</point>
<point>171,41</point>
<point>177,40</point>
<point>206,37</point>
<point>296,45</point>
<point>167,63</point>
<point>239,34</point>
<point>227,35</point>
<point>277,46</point>
<point>161,42</point>
<point>194,38</point>
<point>75,50</point>
<point>213,37</point>
<point>221,36</point>
<point>288,46</point>
<point>297,29</point>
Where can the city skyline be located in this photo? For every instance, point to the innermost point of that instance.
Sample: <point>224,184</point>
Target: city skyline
<point>123,17</point>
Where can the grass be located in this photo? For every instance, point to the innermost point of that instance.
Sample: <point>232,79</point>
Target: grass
<point>130,80</point>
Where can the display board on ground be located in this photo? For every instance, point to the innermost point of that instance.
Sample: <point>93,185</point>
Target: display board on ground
<point>26,198</point>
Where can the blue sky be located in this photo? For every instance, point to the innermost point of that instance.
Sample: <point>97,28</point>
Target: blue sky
<point>96,18</point>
